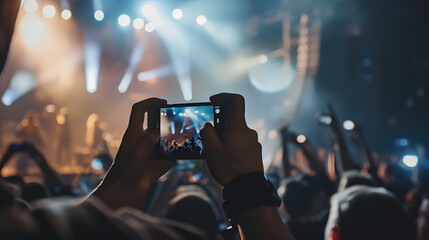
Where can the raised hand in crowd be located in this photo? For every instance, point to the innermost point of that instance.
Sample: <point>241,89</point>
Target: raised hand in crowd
<point>133,172</point>
<point>235,161</point>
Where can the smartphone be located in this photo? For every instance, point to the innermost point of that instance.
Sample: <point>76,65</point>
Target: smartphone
<point>324,119</point>
<point>179,126</point>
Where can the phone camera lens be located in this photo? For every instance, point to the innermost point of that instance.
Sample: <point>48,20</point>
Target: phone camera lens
<point>217,110</point>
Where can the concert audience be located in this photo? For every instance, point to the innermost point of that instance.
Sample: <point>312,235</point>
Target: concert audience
<point>344,201</point>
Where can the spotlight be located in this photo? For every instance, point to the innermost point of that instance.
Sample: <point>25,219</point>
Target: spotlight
<point>155,73</point>
<point>348,125</point>
<point>92,65</point>
<point>124,20</point>
<point>138,23</point>
<point>301,139</point>
<point>99,15</point>
<point>131,69</point>
<point>66,14</point>
<point>21,83</point>
<point>150,27</point>
<point>30,6</point>
<point>201,20</point>
<point>410,160</point>
<point>49,11</point>
<point>177,13</point>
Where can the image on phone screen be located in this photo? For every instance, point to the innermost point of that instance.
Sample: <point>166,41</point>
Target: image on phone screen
<point>180,130</point>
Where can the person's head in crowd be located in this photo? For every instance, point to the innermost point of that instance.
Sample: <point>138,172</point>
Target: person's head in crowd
<point>397,180</point>
<point>28,192</point>
<point>301,198</point>
<point>363,212</point>
<point>423,221</point>
<point>194,207</point>
<point>33,191</point>
<point>354,177</point>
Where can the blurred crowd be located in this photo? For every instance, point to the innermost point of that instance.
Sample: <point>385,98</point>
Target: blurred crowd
<point>326,194</point>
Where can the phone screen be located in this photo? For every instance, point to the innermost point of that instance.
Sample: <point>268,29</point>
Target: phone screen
<point>180,130</point>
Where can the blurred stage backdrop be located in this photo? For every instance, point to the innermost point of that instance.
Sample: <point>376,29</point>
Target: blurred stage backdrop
<point>288,58</point>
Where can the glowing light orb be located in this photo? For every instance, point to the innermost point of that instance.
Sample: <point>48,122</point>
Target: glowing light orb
<point>66,14</point>
<point>99,15</point>
<point>50,108</point>
<point>177,13</point>
<point>30,6</point>
<point>150,27</point>
<point>348,125</point>
<point>124,20</point>
<point>263,59</point>
<point>49,11</point>
<point>96,164</point>
<point>301,138</point>
<point>201,20</point>
<point>410,160</point>
<point>138,23</point>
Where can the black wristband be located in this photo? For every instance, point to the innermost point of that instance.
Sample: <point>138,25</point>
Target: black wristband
<point>248,191</point>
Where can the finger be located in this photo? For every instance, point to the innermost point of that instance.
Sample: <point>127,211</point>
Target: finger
<point>253,135</point>
<point>158,167</point>
<point>211,141</point>
<point>237,107</point>
<point>138,110</point>
<point>145,146</point>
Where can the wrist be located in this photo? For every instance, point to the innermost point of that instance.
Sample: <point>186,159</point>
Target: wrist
<point>248,191</point>
<point>117,195</point>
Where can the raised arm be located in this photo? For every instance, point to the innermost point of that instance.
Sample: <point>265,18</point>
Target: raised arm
<point>287,167</point>
<point>309,152</point>
<point>365,149</point>
<point>133,172</point>
<point>235,161</point>
<point>346,159</point>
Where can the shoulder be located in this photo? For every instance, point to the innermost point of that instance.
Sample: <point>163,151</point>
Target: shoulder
<point>91,219</point>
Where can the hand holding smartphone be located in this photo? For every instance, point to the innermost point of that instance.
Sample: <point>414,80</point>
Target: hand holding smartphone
<point>179,126</point>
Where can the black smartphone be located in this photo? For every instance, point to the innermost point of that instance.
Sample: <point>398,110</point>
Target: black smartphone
<point>179,126</point>
<point>324,119</point>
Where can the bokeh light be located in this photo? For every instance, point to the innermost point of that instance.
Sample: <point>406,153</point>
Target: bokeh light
<point>124,20</point>
<point>201,20</point>
<point>99,15</point>
<point>348,125</point>
<point>138,23</point>
<point>177,13</point>
<point>410,160</point>
<point>301,138</point>
<point>30,6</point>
<point>49,11</point>
<point>150,27</point>
<point>66,14</point>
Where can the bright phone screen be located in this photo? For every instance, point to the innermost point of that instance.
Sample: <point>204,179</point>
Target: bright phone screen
<point>180,130</point>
